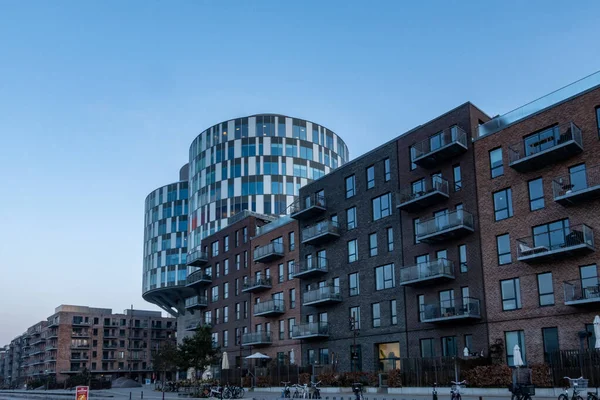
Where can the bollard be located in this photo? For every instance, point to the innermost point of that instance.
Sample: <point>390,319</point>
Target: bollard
<point>163,397</point>
<point>142,394</point>
<point>129,395</point>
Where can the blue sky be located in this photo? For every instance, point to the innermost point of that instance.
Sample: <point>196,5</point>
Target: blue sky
<point>100,100</point>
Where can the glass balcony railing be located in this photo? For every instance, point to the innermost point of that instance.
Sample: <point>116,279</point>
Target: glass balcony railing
<point>256,338</point>
<point>310,267</point>
<point>450,225</point>
<point>582,291</point>
<point>321,232</point>
<point>440,147</point>
<point>310,330</point>
<point>424,194</point>
<point>563,242</point>
<point>198,278</point>
<point>268,252</point>
<point>308,207</point>
<point>440,269</point>
<point>322,295</point>
<point>269,307</point>
<point>257,284</point>
<point>197,258</point>
<point>581,185</point>
<point>450,310</point>
<point>196,302</point>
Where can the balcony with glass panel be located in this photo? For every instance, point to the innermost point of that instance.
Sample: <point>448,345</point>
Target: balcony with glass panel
<point>438,148</point>
<point>322,296</point>
<point>311,330</point>
<point>580,186</point>
<point>310,267</point>
<point>308,207</point>
<point>546,147</point>
<point>423,194</point>
<point>268,252</point>
<point>261,338</point>
<point>198,279</point>
<point>556,243</point>
<point>582,292</point>
<point>451,225</point>
<point>453,310</point>
<point>269,308</point>
<point>195,326</point>
<point>196,302</point>
<point>197,258</point>
<point>431,272</point>
<point>321,232</point>
<point>258,284</point>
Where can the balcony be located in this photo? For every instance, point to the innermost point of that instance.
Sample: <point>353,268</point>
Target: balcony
<point>51,347</point>
<point>80,334</point>
<point>81,323</point>
<point>198,279</point>
<point>452,311</point>
<point>306,269</point>
<point>452,225</point>
<point>544,148</point>
<point>322,232</point>
<point>194,326</point>
<point>578,187</point>
<point>269,308</point>
<point>308,207</point>
<point>52,334</point>
<point>257,285</point>
<point>311,330</point>
<point>435,271</point>
<point>109,357</point>
<point>559,243</point>
<point>112,335</point>
<point>197,258</point>
<point>582,292</point>
<point>269,252</point>
<point>196,302</point>
<point>79,358</point>
<point>256,338</point>
<point>80,346</point>
<point>418,196</point>
<point>322,296</point>
<point>448,144</point>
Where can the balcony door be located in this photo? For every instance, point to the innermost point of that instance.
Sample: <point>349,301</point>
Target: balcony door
<point>578,178</point>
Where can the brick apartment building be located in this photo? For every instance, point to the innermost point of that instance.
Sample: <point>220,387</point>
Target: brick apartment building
<point>78,337</point>
<point>538,179</point>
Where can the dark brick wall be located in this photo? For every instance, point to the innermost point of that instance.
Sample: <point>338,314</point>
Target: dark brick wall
<point>531,317</point>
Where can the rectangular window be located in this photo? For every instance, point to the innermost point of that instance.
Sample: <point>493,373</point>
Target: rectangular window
<point>353,283</point>
<point>245,234</point>
<point>226,244</point>
<point>226,290</point>
<point>215,248</point>
<point>553,235</point>
<point>351,218</point>
<point>237,262</point>
<point>390,239</point>
<point>372,244</point>
<point>387,170</point>
<point>503,248</point>
<point>281,329</point>
<point>376,309</point>
<point>382,206</point>
<point>511,294</point>
<point>292,240</point>
<point>350,186</point>
<point>226,266</point>
<point>457,178</point>
<point>462,258</point>
<point>469,343</point>
<point>415,230</point>
<point>589,280</point>
<point>292,298</point>
<point>449,346</point>
<point>290,267</point>
<point>354,318</point>
<point>427,348</point>
<point>225,314</point>
<point>323,356</point>
<point>496,164</point>
<point>503,204</point>
<point>371,177</point>
<point>536,194</point>
<point>394,312</point>
<point>511,339</point>
<point>385,278</point>
<point>281,273</point>
<point>545,289</point>
<point>291,324</point>
<point>421,310</point>
<point>550,336</point>
<point>352,251</point>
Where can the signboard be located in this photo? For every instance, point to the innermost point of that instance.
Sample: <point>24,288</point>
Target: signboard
<point>82,392</point>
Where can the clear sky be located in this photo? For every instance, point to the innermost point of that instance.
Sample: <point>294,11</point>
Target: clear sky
<point>99,101</point>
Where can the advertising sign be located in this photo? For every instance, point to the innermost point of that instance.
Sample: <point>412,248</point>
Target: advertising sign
<point>82,392</point>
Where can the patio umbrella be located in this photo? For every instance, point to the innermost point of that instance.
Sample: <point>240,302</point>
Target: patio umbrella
<point>597,331</point>
<point>292,357</point>
<point>225,361</point>
<point>257,356</point>
<point>517,359</point>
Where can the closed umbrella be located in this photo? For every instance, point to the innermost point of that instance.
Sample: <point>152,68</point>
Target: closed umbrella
<point>466,352</point>
<point>517,359</point>
<point>293,357</point>
<point>225,361</point>
<point>597,331</point>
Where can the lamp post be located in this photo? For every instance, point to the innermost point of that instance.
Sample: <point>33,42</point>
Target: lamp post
<point>355,328</point>
<point>239,342</point>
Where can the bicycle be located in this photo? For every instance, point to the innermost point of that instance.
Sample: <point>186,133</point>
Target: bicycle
<point>314,391</point>
<point>576,384</point>
<point>522,392</point>
<point>232,392</point>
<point>358,392</point>
<point>285,393</point>
<point>592,395</point>
<point>300,391</point>
<point>455,390</point>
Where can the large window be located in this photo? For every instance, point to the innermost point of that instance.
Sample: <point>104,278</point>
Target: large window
<point>290,267</point>
<point>511,339</point>
<point>372,244</point>
<point>376,311</point>
<point>215,248</point>
<point>536,194</point>
<point>511,294</point>
<point>371,177</point>
<point>503,246</point>
<point>387,169</point>
<point>503,204</point>
<point>589,278</point>
<point>352,251</point>
<point>385,277</point>
<point>350,186</point>
<point>545,289</point>
<point>496,164</point>
<point>541,141</point>
<point>353,284</point>
<point>382,206</point>
<point>351,218</point>
<point>550,336</point>
<point>427,348</point>
<point>552,235</point>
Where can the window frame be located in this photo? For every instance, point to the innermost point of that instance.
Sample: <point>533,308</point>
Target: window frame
<point>457,184</point>
<point>352,191</point>
<point>537,199</point>
<point>387,170</point>
<point>389,231</point>
<point>508,208</point>
<point>376,315</point>
<point>540,294</point>
<point>522,345</point>
<point>351,211</point>
<point>516,287</point>
<point>352,257</point>
<point>500,255</point>
<point>370,174</point>
<point>497,167</point>
<point>350,287</point>
<point>373,250</point>
<point>379,201</point>
<point>390,270</point>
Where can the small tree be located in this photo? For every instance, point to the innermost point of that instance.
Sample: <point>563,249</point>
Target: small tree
<point>165,359</point>
<point>197,351</point>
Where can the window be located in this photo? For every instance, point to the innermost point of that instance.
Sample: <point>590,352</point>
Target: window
<point>372,244</point>
<point>226,244</point>
<point>351,218</point>
<point>449,346</point>
<point>225,314</point>
<point>292,298</point>
<point>290,267</point>
<point>237,311</point>
<point>350,186</point>
<point>385,277</point>
<point>496,164</point>
<point>226,266</point>
<point>225,338</point>
<point>245,234</point>
<point>281,275</point>
<point>589,278</point>
<point>503,204</point>
<point>421,301</point>
<point>511,339</point>
<point>352,251</point>
<point>457,178</point>
<point>382,206</point>
<point>412,155</point>
<point>598,119</point>
<point>291,324</point>
<point>323,356</point>
<point>462,258</point>
<point>427,348</point>
<point>237,262</point>
<point>353,283</point>
<point>226,290</point>
<point>354,318</point>
<point>552,235</point>
<point>292,240</point>
<point>390,239</point>
<point>394,312</point>
<point>376,310</point>
<point>416,229</point>
<point>503,246</point>
<point>469,343</point>
<point>511,294</point>
<point>387,170</point>
<point>550,336</point>
<point>214,293</point>
<point>281,329</point>
<point>536,194</point>
<point>215,248</point>
<point>371,177</point>
<point>545,289</point>
<point>577,178</point>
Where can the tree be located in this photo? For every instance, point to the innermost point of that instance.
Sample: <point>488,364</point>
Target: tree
<point>197,351</point>
<point>165,359</point>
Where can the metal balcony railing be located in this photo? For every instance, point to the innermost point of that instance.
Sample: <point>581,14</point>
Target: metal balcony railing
<point>582,291</point>
<point>254,284</point>
<point>578,186</point>
<point>308,206</point>
<point>559,242</point>
<point>311,329</point>
<point>268,251</point>
<point>447,310</point>
<point>326,294</point>
<point>321,229</point>
<point>428,192</point>
<point>444,225</point>
<point>441,146</point>
<point>440,268</point>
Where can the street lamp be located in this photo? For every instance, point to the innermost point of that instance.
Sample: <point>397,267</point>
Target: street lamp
<point>355,328</point>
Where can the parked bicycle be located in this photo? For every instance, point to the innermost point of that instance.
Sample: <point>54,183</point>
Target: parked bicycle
<point>358,392</point>
<point>576,384</point>
<point>232,392</point>
<point>455,390</point>
<point>314,391</point>
<point>285,393</point>
<point>300,391</point>
<point>592,395</point>
<point>522,392</point>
